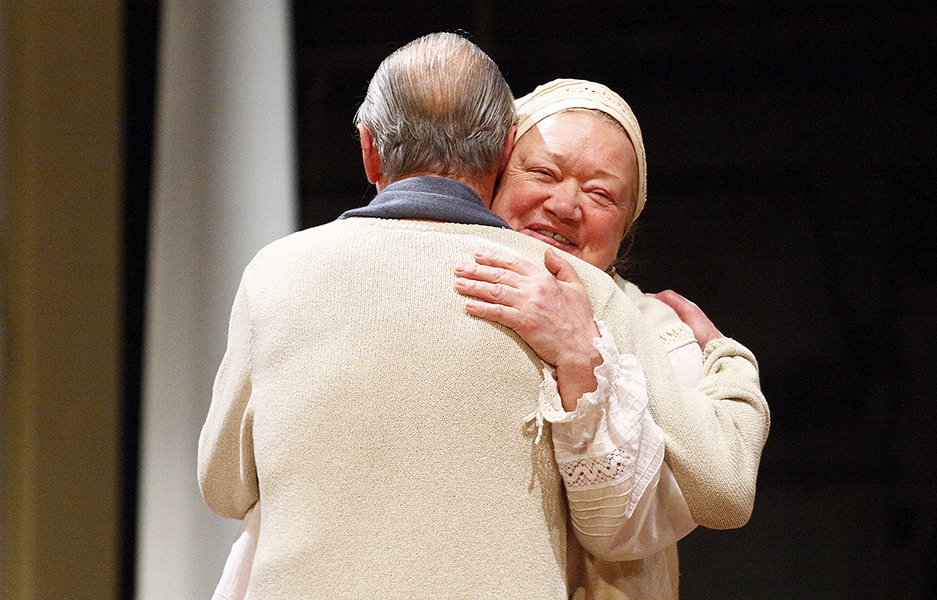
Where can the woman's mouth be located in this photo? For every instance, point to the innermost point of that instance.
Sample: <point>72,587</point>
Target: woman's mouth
<point>556,236</point>
<point>550,237</point>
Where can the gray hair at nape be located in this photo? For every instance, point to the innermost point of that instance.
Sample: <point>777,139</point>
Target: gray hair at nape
<point>438,105</point>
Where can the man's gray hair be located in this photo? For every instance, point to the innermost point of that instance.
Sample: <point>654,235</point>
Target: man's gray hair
<point>438,105</point>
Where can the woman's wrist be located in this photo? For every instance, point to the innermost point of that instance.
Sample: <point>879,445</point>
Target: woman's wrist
<point>575,375</point>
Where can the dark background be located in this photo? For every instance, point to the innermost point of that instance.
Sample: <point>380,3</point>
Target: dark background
<point>791,156</point>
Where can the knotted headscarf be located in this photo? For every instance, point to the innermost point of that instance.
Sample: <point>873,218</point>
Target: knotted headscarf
<point>565,94</point>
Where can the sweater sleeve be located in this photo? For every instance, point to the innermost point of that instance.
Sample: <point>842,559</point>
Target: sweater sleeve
<point>714,446</point>
<point>716,427</point>
<point>226,471</point>
<point>624,503</point>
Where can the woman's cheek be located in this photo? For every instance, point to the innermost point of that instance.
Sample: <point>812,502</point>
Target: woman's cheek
<point>533,194</point>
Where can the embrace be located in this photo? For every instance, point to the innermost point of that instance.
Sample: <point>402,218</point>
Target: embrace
<point>449,392</point>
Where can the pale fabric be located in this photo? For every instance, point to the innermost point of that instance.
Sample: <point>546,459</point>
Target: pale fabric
<point>388,436</point>
<point>610,453</point>
<point>224,186</point>
<point>567,94</point>
<point>656,574</point>
<point>728,393</point>
<point>676,337</point>
<point>627,511</point>
<point>237,569</point>
<point>687,363</point>
<point>715,438</point>
<point>717,431</point>
<point>715,435</point>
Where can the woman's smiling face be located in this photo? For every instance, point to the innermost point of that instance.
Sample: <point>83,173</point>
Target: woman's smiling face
<point>571,182</point>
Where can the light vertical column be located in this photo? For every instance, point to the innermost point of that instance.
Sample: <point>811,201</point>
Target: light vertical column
<point>224,185</point>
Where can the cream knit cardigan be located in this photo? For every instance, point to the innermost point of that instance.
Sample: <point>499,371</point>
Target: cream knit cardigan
<point>726,384</point>
<point>729,390</point>
<point>387,436</point>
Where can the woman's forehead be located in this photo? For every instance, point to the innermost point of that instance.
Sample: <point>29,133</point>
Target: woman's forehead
<point>581,136</point>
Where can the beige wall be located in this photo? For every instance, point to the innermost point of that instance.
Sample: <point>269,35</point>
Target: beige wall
<point>61,227</point>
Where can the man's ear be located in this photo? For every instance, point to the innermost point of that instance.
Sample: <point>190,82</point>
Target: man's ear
<point>369,155</point>
<point>508,148</point>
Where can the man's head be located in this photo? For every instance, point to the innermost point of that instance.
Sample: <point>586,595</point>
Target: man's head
<point>437,106</point>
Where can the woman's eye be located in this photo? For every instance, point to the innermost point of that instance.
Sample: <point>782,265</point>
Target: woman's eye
<point>542,172</point>
<point>601,196</point>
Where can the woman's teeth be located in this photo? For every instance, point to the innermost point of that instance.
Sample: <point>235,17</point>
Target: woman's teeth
<point>555,236</point>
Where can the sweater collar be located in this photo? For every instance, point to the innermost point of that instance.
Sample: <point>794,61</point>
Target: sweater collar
<point>431,198</point>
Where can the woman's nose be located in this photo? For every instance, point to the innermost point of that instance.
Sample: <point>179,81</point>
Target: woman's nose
<point>564,203</point>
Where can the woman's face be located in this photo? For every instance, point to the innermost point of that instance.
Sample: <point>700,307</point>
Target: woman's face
<point>571,183</point>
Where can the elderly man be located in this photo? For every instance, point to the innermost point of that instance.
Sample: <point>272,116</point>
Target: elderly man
<point>387,432</point>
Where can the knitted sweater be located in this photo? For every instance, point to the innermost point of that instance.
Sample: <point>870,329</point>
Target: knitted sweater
<point>388,466</point>
<point>720,488</point>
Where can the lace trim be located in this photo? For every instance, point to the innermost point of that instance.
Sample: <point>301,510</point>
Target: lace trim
<point>550,407</point>
<point>596,470</point>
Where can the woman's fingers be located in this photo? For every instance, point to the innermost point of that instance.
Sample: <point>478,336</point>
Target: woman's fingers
<point>473,270</point>
<point>547,308</point>
<point>691,314</point>
<point>504,260</point>
<point>505,315</point>
<point>560,268</point>
<point>496,293</point>
<point>685,309</point>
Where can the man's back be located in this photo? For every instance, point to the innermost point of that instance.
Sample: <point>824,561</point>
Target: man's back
<point>387,425</point>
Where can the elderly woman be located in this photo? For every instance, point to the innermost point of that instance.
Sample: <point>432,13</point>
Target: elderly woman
<point>577,181</point>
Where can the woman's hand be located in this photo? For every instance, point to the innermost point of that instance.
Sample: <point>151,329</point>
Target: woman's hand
<point>692,315</point>
<point>548,309</point>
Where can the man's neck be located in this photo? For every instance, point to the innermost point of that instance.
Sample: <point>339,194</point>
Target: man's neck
<point>483,186</point>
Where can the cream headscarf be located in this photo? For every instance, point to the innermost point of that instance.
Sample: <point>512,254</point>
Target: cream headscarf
<point>564,94</point>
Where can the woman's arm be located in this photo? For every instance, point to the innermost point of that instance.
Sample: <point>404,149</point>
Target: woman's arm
<point>715,435</point>
<point>624,503</point>
<point>235,576</point>
<point>714,431</point>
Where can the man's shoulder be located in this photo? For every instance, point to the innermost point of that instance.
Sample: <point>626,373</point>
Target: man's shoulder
<point>354,238</point>
<point>304,240</point>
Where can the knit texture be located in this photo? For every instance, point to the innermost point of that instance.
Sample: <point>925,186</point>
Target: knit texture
<point>383,426</point>
<point>714,437</point>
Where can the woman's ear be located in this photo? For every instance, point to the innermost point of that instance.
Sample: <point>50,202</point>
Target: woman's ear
<point>369,155</point>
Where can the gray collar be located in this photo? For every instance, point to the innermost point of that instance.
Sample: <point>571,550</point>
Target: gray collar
<point>431,198</point>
